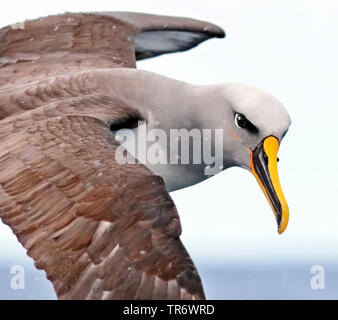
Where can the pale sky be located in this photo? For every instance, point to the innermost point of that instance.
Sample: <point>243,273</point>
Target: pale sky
<point>286,47</point>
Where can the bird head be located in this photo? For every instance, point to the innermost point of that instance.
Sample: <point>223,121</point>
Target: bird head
<point>255,124</point>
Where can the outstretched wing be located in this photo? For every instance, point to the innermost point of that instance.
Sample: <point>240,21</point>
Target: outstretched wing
<point>100,229</point>
<point>82,41</point>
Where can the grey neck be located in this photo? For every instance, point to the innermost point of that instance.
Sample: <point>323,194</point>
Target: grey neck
<point>165,104</point>
<point>160,100</point>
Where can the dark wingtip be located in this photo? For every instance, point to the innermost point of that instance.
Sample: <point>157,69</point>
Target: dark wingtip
<point>157,35</point>
<point>151,22</point>
<point>140,35</point>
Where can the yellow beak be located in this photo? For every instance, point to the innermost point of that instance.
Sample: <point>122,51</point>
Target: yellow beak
<point>264,168</point>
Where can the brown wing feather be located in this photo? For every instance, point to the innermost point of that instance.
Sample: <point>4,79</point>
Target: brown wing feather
<point>99,229</point>
<point>72,42</point>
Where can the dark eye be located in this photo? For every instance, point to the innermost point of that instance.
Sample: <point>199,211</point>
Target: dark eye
<point>240,120</point>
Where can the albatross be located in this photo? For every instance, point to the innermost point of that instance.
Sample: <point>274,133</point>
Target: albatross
<point>100,228</point>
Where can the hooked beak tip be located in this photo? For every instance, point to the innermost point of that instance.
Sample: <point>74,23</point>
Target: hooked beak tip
<point>264,167</point>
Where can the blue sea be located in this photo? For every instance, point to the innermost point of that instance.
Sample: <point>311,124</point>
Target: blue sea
<point>250,280</point>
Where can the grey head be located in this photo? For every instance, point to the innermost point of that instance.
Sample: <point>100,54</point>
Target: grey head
<point>248,116</point>
<point>254,124</point>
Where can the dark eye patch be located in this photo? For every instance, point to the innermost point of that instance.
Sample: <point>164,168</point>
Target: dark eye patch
<point>242,122</point>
